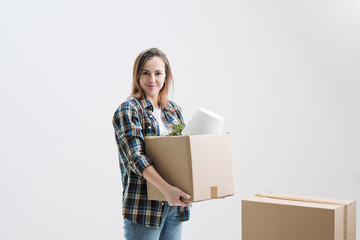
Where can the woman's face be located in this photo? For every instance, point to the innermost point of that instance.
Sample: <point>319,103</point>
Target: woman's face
<point>152,78</point>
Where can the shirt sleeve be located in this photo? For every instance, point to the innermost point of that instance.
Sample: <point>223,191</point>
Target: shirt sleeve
<point>129,138</point>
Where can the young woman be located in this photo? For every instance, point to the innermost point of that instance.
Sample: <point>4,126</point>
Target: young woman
<point>148,112</point>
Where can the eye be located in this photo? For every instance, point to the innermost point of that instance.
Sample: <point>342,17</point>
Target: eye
<point>144,73</point>
<point>158,73</point>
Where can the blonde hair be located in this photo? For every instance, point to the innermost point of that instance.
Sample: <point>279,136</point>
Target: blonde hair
<point>139,63</point>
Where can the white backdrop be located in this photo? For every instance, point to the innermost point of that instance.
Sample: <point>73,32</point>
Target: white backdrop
<point>284,74</point>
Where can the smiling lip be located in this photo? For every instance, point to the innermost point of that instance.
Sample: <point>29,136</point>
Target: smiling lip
<point>151,86</point>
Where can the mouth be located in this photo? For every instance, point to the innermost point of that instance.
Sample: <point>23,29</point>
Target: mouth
<point>151,86</point>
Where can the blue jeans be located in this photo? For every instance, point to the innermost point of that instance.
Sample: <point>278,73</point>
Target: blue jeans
<point>170,228</point>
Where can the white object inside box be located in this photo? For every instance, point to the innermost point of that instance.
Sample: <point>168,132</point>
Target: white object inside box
<point>204,122</point>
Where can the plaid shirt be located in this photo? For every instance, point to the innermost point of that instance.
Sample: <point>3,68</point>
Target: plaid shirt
<point>132,121</point>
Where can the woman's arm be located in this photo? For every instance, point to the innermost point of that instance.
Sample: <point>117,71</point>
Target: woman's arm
<point>171,193</point>
<point>129,138</point>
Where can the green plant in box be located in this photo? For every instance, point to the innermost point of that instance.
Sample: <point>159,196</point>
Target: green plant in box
<point>177,129</point>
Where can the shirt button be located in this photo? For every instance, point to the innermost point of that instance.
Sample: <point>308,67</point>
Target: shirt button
<point>162,203</point>
<point>149,127</point>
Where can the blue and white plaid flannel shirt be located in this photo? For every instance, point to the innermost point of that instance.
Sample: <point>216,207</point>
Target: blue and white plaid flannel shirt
<point>133,121</point>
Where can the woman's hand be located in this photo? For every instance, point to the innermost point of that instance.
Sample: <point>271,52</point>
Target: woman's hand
<point>173,195</point>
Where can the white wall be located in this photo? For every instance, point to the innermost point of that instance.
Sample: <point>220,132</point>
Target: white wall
<point>284,74</point>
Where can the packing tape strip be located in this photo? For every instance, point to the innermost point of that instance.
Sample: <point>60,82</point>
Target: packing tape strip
<point>213,191</point>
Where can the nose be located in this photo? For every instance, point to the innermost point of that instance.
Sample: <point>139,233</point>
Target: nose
<point>152,78</point>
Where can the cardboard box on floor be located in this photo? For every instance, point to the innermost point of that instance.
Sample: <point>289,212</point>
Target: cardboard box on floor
<point>275,216</point>
<point>199,165</point>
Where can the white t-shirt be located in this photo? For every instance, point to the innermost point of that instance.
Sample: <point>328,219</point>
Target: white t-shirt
<point>164,130</point>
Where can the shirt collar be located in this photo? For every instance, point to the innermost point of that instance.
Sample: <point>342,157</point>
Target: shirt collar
<point>168,107</point>
<point>146,103</point>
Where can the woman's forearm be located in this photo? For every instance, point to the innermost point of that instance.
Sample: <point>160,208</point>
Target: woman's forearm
<point>155,179</point>
<point>171,193</point>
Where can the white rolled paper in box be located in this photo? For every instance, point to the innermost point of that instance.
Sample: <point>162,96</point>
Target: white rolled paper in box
<point>204,122</point>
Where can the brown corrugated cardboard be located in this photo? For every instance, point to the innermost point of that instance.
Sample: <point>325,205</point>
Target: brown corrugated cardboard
<point>275,216</point>
<point>199,165</point>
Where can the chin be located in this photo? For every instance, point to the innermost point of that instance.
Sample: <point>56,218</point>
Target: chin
<point>153,93</point>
